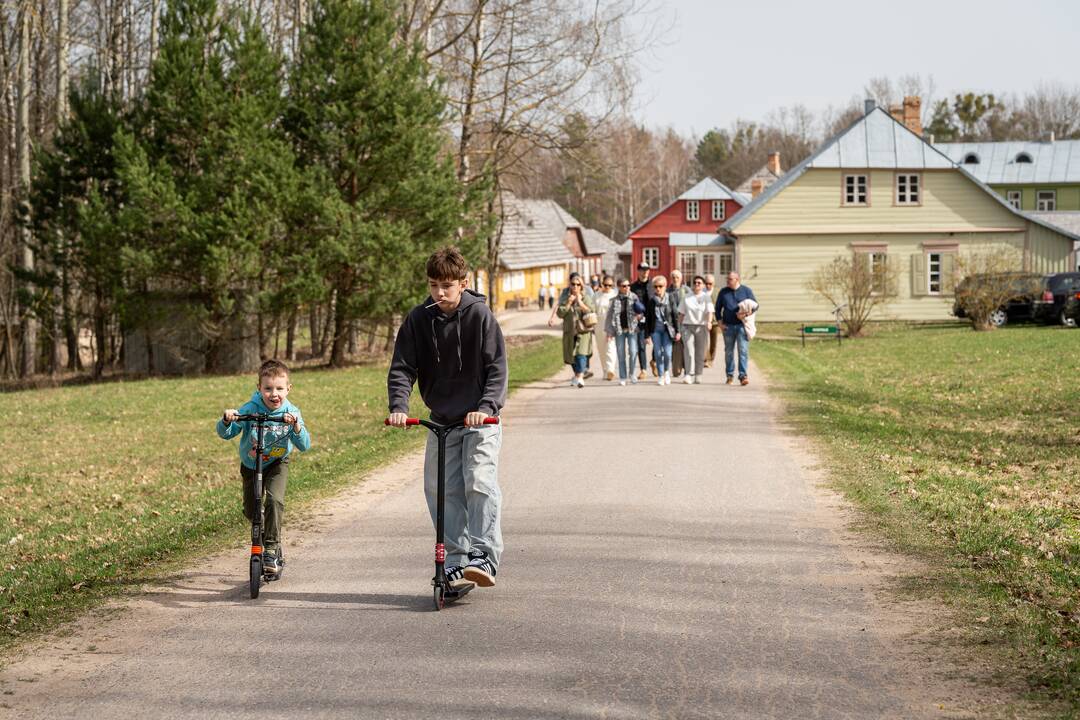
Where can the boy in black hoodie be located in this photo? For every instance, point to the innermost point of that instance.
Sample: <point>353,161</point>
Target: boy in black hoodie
<point>453,347</point>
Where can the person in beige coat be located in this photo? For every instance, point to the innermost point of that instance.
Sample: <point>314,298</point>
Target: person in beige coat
<point>605,344</point>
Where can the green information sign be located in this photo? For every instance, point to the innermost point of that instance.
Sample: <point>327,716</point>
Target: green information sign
<point>819,330</point>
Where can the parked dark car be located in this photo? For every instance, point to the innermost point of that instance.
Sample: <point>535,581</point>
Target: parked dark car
<point>1070,311</point>
<point>1057,289</point>
<point>1026,289</point>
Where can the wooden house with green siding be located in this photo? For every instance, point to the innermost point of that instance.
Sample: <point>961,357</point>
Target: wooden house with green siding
<point>879,188</point>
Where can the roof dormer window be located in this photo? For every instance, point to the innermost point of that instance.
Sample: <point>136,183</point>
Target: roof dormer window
<point>1023,158</point>
<point>971,159</point>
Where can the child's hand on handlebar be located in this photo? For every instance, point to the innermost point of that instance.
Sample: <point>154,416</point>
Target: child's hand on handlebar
<point>475,418</point>
<point>398,419</point>
<point>229,416</point>
<point>291,419</point>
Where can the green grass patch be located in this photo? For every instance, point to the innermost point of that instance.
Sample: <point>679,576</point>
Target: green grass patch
<point>963,448</point>
<point>106,487</point>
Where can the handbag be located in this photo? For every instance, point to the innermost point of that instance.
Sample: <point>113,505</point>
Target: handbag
<point>586,322</point>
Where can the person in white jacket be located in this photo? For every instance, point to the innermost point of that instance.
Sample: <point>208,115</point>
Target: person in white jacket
<point>695,316</point>
<point>605,344</point>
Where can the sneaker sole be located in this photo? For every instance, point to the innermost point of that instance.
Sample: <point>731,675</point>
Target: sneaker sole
<point>479,577</point>
<point>462,584</point>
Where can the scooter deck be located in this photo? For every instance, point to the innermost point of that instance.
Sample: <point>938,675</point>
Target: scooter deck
<point>452,594</point>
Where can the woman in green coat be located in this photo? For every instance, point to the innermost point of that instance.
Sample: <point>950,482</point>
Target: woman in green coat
<point>576,338</point>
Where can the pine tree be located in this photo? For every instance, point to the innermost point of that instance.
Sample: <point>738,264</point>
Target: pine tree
<point>74,177</point>
<point>212,176</point>
<point>366,118</point>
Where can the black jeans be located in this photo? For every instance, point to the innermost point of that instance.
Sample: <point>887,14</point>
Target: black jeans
<point>275,475</point>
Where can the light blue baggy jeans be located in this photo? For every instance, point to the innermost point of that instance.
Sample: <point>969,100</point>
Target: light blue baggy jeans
<point>471,519</point>
<point>626,342</point>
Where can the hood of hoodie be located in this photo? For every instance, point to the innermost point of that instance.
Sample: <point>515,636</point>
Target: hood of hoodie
<point>437,317</point>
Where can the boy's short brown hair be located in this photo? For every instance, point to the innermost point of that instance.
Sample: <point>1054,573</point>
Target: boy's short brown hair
<point>447,264</point>
<point>273,368</point>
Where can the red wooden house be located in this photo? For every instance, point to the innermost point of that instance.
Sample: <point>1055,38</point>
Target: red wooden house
<point>684,234</point>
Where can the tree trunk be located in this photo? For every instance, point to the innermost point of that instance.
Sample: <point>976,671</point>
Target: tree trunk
<point>328,322</point>
<point>27,362</point>
<point>313,329</point>
<point>341,332</point>
<point>152,52</point>
<point>290,336</point>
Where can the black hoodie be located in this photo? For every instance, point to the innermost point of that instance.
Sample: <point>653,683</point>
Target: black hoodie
<point>458,359</point>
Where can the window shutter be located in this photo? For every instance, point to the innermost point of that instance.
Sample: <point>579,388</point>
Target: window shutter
<point>918,275</point>
<point>948,273</point>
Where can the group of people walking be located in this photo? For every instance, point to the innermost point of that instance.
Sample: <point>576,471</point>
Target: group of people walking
<point>682,325</point>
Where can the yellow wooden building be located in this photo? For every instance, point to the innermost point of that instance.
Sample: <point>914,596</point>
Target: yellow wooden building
<point>533,252</point>
<point>879,188</point>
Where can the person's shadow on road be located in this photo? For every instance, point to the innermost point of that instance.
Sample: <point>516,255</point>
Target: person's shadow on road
<point>180,596</point>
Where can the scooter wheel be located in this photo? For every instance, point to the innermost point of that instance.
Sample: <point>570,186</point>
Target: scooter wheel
<point>255,576</point>
<point>438,597</point>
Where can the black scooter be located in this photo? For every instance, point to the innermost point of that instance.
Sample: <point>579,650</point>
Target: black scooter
<point>256,573</point>
<point>443,593</point>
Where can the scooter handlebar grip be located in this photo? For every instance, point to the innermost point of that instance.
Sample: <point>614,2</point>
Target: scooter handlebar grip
<point>493,420</point>
<point>408,421</point>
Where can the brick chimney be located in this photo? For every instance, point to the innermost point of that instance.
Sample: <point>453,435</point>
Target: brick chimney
<point>774,164</point>
<point>897,112</point>
<point>756,186</point>
<point>912,117</point>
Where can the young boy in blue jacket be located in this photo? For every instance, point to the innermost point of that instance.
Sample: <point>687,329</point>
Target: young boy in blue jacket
<point>452,347</point>
<point>278,441</point>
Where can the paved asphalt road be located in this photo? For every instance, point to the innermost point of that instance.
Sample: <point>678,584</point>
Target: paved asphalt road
<point>666,557</point>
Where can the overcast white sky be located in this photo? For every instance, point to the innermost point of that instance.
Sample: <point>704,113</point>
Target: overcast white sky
<point>724,60</point>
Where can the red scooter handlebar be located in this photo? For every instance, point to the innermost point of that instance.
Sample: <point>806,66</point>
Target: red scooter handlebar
<point>493,420</point>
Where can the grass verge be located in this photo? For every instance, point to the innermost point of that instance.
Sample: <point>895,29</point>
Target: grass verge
<point>107,487</point>
<point>963,448</point>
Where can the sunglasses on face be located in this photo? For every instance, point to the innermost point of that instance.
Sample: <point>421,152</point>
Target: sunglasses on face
<point>576,284</point>
<point>607,285</point>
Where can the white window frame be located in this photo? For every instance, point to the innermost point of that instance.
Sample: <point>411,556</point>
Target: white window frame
<point>688,270</point>
<point>725,263</point>
<point>693,211</point>
<point>933,273</point>
<point>558,276</point>
<point>851,191</point>
<point>1046,200</point>
<point>875,257</point>
<point>544,277</point>
<point>1014,198</point>
<point>708,264</point>
<point>651,257</point>
<point>519,280</point>
<point>717,209</point>
<point>506,282</point>
<point>908,189</point>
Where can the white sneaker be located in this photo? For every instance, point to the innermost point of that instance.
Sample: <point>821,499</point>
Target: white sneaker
<point>688,379</point>
<point>633,379</point>
<point>697,379</point>
<point>573,382</point>
<point>660,380</point>
<point>622,383</point>
<point>667,378</point>
<point>581,383</point>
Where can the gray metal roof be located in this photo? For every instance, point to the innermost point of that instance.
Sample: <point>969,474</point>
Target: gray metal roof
<point>1051,162</point>
<point>678,239</point>
<point>528,239</point>
<point>878,141</point>
<point>871,133</point>
<point>709,189</point>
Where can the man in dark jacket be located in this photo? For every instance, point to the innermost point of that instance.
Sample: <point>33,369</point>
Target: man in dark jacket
<point>731,317</point>
<point>644,290</point>
<point>453,348</point>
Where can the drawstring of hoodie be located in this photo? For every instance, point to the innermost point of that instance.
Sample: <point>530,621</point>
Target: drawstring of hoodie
<point>435,341</point>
